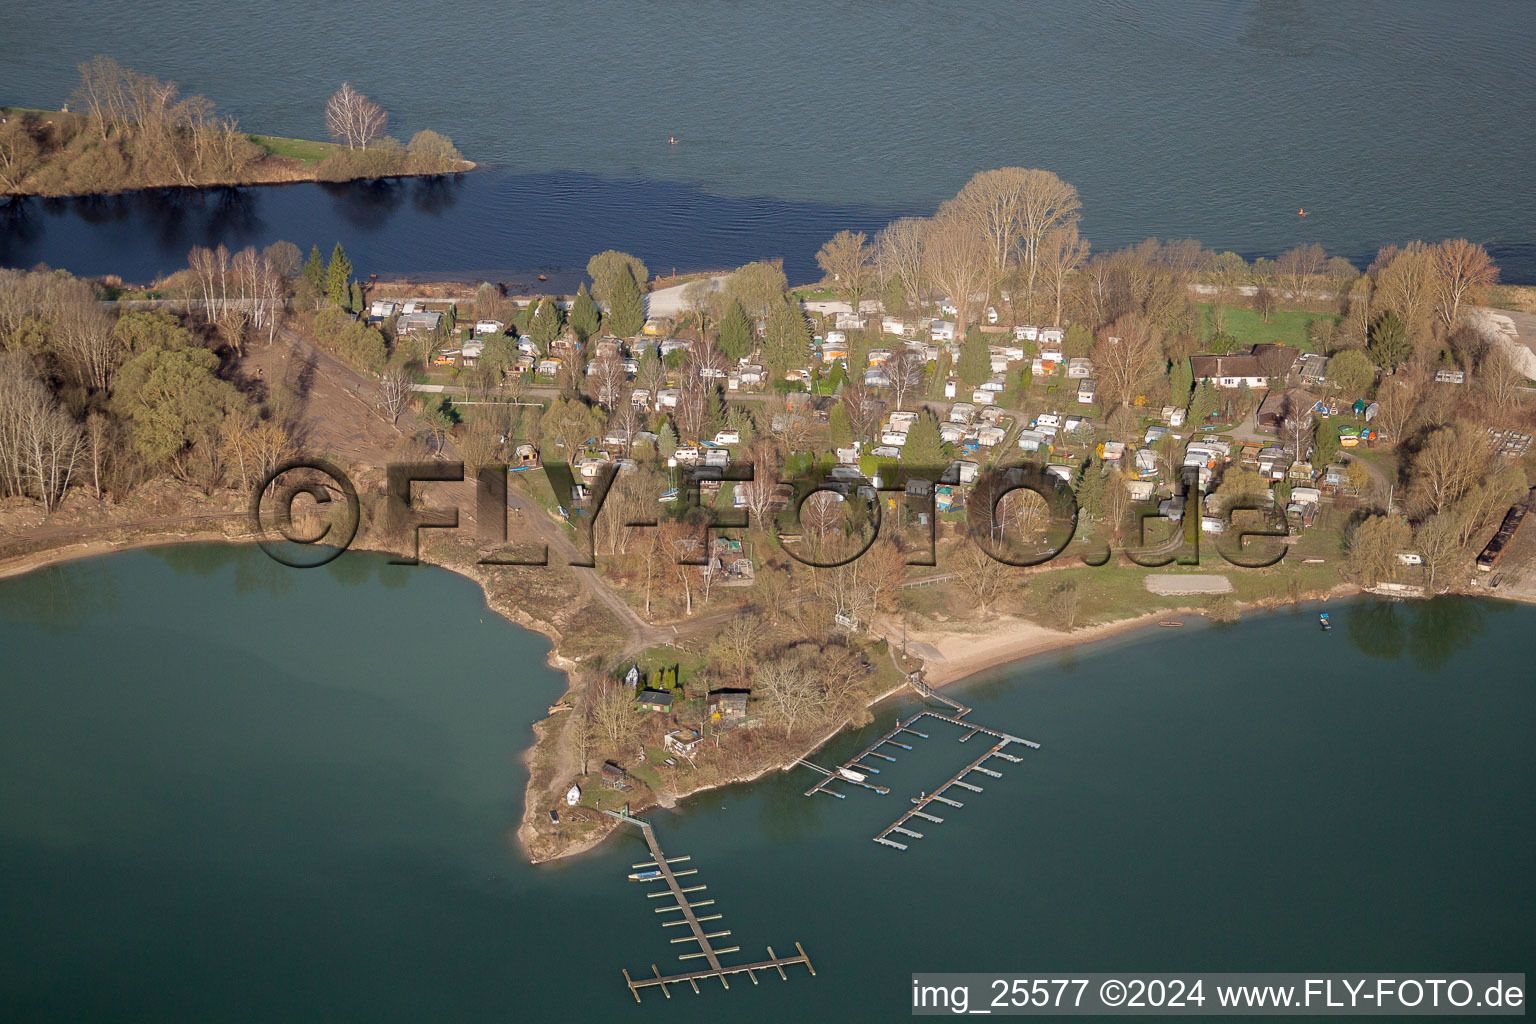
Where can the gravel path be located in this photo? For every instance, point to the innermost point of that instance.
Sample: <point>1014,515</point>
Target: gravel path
<point>1170,585</point>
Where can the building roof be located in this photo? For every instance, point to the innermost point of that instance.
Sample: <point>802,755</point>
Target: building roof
<point>1249,364</point>
<point>658,697</point>
<point>1277,405</point>
<point>1225,366</point>
<point>731,699</point>
<point>426,320</point>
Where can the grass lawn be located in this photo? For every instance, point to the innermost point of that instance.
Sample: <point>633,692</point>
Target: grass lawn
<point>1520,298</point>
<point>34,110</point>
<point>654,659</point>
<point>1118,591</point>
<point>1285,327</point>
<point>305,151</point>
<point>1384,458</point>
<point>535,484</point>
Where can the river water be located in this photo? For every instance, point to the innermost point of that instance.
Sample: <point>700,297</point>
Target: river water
<point>1212,119</point>
<point>234,791</point>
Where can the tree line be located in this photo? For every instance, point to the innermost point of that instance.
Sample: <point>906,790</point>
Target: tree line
<point>135,131</point>
<point>106,401</point>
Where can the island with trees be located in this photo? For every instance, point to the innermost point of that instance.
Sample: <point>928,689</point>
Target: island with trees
<point>1376,422</point>
<point>132,131</point>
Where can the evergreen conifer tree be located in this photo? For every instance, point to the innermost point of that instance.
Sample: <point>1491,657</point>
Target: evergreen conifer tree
<point>836,378</point>
<point>338,277</point>
<point>735,333</point>
<point>314,270</point>
<point>626,314</point>
<point>1090,488</point>
<point>1203,404</point>
<point>837,426</point>
<point>545,325</point>
<point>787,342</point>
<point>584,315</point>
<point>975,363</point>
<point>925,449</point>
<point>1181,380</point>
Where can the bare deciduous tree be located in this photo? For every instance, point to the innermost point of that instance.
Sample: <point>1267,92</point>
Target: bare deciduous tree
<point>1298,271</point>
<point>848,263</point>
<point>737,642</point>
<point>1450,461</point>
<point>82,336</point>
<point>861,407</point>
<point>1405,283</point>
<point>353,118</point>
<point>1464,273</point>
<point>904,369</point>
<point>1499,381</point>
<point>899,255</point>
<point>1127,360</point>
<point>992,203</point>
<point>607,379</point>
<point>258,288</point>
<point>980,574</point>
<point>1062,252</point>
<point>41,445</point>
<point>698,391</point>
<point>614,711</point>
<point>957,257</point>
<point>789,687</point>
<point>758,493</point>
<point>98,430</point>
<point>394,392</point>
<point>698,300</point>
<point>1296,432</point>
<point>1396,401</point>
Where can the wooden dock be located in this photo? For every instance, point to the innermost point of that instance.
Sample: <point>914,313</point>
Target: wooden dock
<point>692,978</point>
<point>920,804</point>
<point>899,827</point>
<point>706,950</point>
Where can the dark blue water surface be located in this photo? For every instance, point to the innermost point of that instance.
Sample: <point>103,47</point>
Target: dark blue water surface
<point>1208,119</point>
<point>485,225</point>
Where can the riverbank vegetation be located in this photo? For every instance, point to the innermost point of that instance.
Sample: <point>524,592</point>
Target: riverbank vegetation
<point>104,402</point>
<point>133,131</point>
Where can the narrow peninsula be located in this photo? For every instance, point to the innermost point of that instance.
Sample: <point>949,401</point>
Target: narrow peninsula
<point>130,131</point>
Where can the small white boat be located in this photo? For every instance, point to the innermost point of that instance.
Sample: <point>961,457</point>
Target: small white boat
<point>851,775</point>
<point>644,876</point>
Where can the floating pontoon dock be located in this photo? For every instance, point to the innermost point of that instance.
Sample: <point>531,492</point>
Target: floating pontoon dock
<point>706,951</point>
<point>856,763</point>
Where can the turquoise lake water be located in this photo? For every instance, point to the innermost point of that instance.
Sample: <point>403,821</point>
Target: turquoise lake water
<point>235,791</point>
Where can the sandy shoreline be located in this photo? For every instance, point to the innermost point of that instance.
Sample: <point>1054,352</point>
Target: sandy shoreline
<point>32,561</point>
<point>965,653</point>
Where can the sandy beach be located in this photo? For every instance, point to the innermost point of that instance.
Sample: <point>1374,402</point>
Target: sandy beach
<point>952,655</point>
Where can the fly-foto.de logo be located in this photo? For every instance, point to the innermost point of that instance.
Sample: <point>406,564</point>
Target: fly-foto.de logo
<point>1023,514</point>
